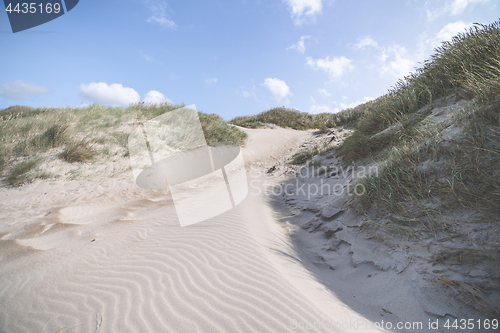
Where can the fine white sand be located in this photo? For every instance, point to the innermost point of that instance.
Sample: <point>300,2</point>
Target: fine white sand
<point>386,278</point>
<point>106,256</point>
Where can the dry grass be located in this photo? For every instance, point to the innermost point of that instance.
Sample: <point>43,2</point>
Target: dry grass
<point>433,186</point>
<point>81,151</point>
<point>295,119</point>
<point>19,174</point>
<point>218,131</point>
<point>320,148</point>
<point>468,294</point>
<point>82,134</point>
<point>468,66</point>
<point>281,116</point>
<point>464,173</point>
<point>421,168</point>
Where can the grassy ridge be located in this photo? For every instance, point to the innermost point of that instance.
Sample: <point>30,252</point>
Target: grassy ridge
<point>416,164</point>
<point>468,66</point>
<point>280,116</point>
<point>439,177</point>
<point>29,135</point>
<point>295,119</point>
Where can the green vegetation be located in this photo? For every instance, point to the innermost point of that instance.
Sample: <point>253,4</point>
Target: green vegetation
<point>468,66</point>
<point>291,118</point>
<point>295,119</point>
<point>464,174</point>
<point>78,152</point>
<point>95,132</point>
<point>218,131</point>
<point>19,173</point>
<point>435,138</point>
<point>278,116</point>
<point>55,136</point>
<point>417,166</point>
<point>320,148</point>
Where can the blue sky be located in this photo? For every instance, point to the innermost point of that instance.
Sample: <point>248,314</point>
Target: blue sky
<point>232,58</point>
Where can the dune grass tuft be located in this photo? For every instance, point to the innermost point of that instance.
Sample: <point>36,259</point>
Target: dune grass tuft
<point>78,152</point>
<point>216,130</point>
<point>320,148</point>
<point>18,174</point>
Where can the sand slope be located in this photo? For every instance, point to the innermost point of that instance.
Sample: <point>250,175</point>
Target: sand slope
<point>380,274</point>
<point>108,256</point>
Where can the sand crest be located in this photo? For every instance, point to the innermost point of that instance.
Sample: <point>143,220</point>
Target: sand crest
<point>107,256</point>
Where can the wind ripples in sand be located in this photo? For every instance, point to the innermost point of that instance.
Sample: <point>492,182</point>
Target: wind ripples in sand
<point>144,273</point>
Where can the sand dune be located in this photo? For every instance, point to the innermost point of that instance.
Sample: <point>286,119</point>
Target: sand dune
<point>108,256</point>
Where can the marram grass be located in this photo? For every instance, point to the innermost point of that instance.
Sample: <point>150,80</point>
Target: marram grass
<point>82,134</point>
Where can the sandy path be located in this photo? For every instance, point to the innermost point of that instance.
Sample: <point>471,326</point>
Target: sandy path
<point>110,257</point>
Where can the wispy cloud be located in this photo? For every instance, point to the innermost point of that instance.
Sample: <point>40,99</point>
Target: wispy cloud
<point>146,57</point>
<point>321,108</point>
<point>248,94</point>
<point>21,90</point>
<point>453,7</point>
<point>278,88</point>
<point>299,46</point>
<point>324,92</point>
<point>365,42</point>
<point>158,9</point>
<point>245,94</point>
<point>302,10</point>
<point>113,95</point>
<point>211,80</point>
<point>316,108</point>
<point>351,105</point>
<point>457,7</point>
<point>334,67</point>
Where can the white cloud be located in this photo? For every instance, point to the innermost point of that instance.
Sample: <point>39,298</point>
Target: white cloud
<point>449,30</point>
<point>146,57</point>
<point>277,87</point>
<point>364,42</point>
<point>334,67</point>
<point>365,99</point>
<point>158,10</point>
<point>299,46</point>
<point>454,7</point>
<point>458,6</point>
<point>211,80</point>
<point>324,92</point>
<point>21,90</point>
<point>396,62</point>
<point>302,9</point>
<point>156,97</point>
<point>315,109</point>
<point>114,94</point>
